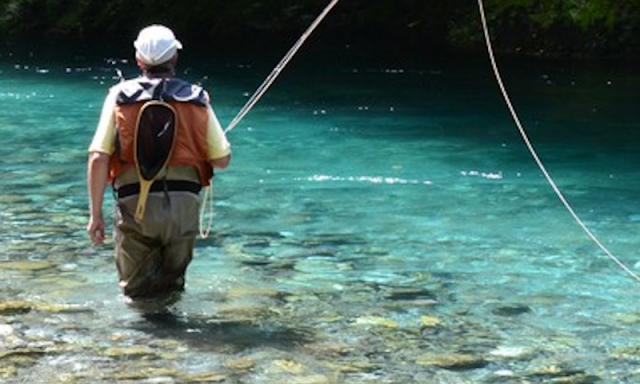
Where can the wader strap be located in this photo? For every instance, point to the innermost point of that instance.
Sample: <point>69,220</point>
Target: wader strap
<point>160,186</point>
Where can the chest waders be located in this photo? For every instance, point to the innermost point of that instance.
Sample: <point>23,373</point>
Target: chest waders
<point>154,140</point>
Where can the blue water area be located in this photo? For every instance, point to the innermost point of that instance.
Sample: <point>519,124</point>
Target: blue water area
<point>382,217</point>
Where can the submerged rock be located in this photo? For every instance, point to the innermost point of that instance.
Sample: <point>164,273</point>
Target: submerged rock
<point>312,379</point>
<point>430,322</point>
<point>453,361</point>
<point>241,364</point>
<point>329,348</point>
<point>12,308</point>
<point>127,352</point>
<point>22,353</point>
<point>13,360</point>
<point>257,292</point>
<point>515,353</point>
<point>149,374</point>
<point>410,294</point>
<point>8,371</point>
<point>19,307</point>
<point>205,378</point>
<point>13,199</point>
<point>377,321</point>
<point>511,310</point>
<point>289,366</point>
<point>631,318</point>
<point>27,265</point>
<point>561,374</point>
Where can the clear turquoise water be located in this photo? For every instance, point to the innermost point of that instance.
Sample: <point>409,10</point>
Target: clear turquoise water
<point>365,190</point>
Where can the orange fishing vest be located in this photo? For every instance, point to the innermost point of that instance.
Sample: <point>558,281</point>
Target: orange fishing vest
<point>191,142</point>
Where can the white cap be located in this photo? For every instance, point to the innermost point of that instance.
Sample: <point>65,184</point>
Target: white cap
<point>156,44</point>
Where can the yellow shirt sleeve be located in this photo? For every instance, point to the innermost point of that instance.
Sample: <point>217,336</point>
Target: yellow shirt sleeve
<point>217,144</point>
<point>104,139</point>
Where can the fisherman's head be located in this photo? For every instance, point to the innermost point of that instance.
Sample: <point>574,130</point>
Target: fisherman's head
<point>157,49</point>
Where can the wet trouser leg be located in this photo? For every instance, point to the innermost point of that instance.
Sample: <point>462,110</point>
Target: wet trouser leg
<point>152,256</point>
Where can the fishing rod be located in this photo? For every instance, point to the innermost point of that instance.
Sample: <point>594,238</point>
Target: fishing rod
<point>262,89</point>
<point>278,69</point>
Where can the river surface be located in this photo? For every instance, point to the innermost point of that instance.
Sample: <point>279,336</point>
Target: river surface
<point>382,222</point>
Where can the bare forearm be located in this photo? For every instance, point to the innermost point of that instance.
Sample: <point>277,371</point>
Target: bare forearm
<point>97,170</point>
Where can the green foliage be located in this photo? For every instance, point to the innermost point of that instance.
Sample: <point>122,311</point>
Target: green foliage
<point>558,27</point>
<point>550,26</point>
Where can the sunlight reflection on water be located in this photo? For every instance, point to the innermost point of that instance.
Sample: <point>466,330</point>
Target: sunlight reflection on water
<point>380,224</point>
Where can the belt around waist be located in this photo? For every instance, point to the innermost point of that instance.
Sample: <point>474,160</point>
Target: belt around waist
<point>159,186</point>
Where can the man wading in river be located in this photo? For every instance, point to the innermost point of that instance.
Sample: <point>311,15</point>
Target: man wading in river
<point>157,142</point>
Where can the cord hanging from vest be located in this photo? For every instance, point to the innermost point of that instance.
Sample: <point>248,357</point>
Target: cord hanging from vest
<point>207,199</point>
<point>535,156</point>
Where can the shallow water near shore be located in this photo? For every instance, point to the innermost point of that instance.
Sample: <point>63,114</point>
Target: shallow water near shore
<point>381,222</point>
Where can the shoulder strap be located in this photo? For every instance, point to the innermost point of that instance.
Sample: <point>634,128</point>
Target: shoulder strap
<point>173,89</point>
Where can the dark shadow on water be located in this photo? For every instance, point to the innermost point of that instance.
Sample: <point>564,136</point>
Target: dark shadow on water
<point>217,335</point>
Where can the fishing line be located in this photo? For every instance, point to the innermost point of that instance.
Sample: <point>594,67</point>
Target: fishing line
<point>262,89</point>
<point>532,150</point>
